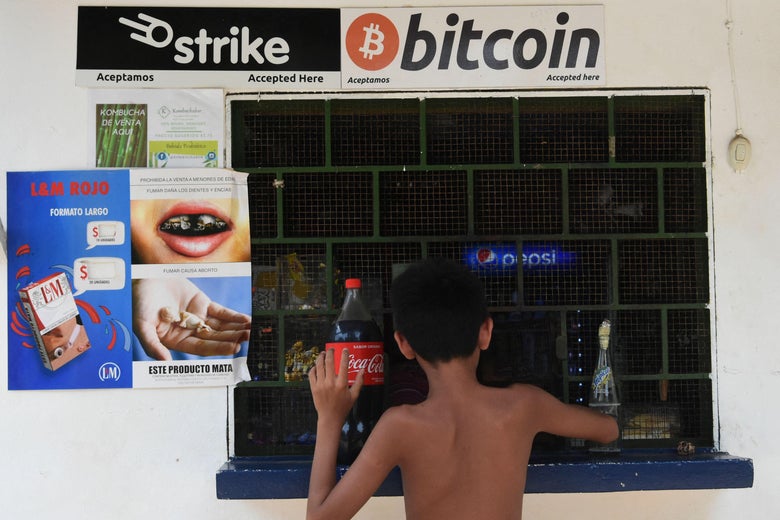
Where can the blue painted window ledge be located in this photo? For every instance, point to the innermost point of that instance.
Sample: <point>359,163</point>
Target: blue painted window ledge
<point>288,477</point>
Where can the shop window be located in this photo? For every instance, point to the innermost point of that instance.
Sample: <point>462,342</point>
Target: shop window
<point>570,209</point>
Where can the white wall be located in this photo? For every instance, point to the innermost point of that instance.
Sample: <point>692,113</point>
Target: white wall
<point>153,453</point>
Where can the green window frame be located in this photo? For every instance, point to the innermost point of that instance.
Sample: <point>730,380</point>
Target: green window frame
<point>613,187</point>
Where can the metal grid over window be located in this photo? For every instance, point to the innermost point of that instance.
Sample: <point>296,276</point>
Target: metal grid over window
<point>685,200</point>
<point>613,201</point>
<point>517,202</point>
<point>566,272</point>
<point>659,128</point>
<point>520,351</point>
<point>689,341</point>
<point>295,272</point>
<point>263,357</point>
<point>469,131</point>
<point>569,209</point>
<point>275,420</point>
<point>423,203</point>
<point>328,204</point>
<point>563,130</point>
<point>663,271</point>
<point>374,264</point>
<point>281,133</point>
<point>364,134</point>
<point>638,342</point>
<point>262,210</point>
<point>659,412</point>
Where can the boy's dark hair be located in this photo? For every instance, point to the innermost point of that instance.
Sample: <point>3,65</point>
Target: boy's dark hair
<point>439,307</point>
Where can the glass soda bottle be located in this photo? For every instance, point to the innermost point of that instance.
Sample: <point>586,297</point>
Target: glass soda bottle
<point>603,390</point>
<point>356,331</point>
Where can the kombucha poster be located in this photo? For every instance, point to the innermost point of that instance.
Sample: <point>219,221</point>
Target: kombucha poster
<point>127,278</point>
<point>157,128</point>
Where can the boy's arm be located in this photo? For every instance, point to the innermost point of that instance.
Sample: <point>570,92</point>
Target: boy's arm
<point>571,420</point>
<point>333,399</point>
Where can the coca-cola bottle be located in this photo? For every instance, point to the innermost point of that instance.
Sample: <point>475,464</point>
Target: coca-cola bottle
<point>356,331</point>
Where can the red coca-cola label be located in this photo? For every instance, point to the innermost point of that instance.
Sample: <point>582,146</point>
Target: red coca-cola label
<point>366,355</point>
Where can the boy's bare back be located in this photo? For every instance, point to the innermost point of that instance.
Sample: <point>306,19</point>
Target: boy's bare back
<point>463,452</point>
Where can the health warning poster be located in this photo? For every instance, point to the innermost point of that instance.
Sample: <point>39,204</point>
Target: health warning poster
<point>127,278</point>
<point>157,128</point>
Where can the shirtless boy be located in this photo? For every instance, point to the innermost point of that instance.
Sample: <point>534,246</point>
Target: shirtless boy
<point>463,452</point>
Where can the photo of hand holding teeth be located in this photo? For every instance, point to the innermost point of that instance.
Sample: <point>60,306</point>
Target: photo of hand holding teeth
<point>168,231</point>
<point>173,316</point>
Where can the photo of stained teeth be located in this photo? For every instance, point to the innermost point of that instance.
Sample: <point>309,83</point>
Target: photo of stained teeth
<point>194,225</point>
<point>169,231</point>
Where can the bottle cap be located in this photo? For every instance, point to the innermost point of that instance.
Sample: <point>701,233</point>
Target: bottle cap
<point>352,283</point>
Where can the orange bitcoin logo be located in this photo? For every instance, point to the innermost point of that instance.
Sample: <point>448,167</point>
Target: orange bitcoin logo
<point>372,41</point>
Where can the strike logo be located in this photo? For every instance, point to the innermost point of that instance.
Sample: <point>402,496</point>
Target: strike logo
<point>372,41</point>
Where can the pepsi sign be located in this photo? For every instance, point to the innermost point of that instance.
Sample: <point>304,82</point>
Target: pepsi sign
<point>504,258</point>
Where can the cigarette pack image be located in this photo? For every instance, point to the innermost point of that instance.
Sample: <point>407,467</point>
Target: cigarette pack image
<point>54,320</point>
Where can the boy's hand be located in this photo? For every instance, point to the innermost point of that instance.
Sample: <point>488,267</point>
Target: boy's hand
<point>333,397</point>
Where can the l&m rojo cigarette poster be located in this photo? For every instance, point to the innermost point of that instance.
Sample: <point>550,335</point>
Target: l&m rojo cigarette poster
<point>127,278</point>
